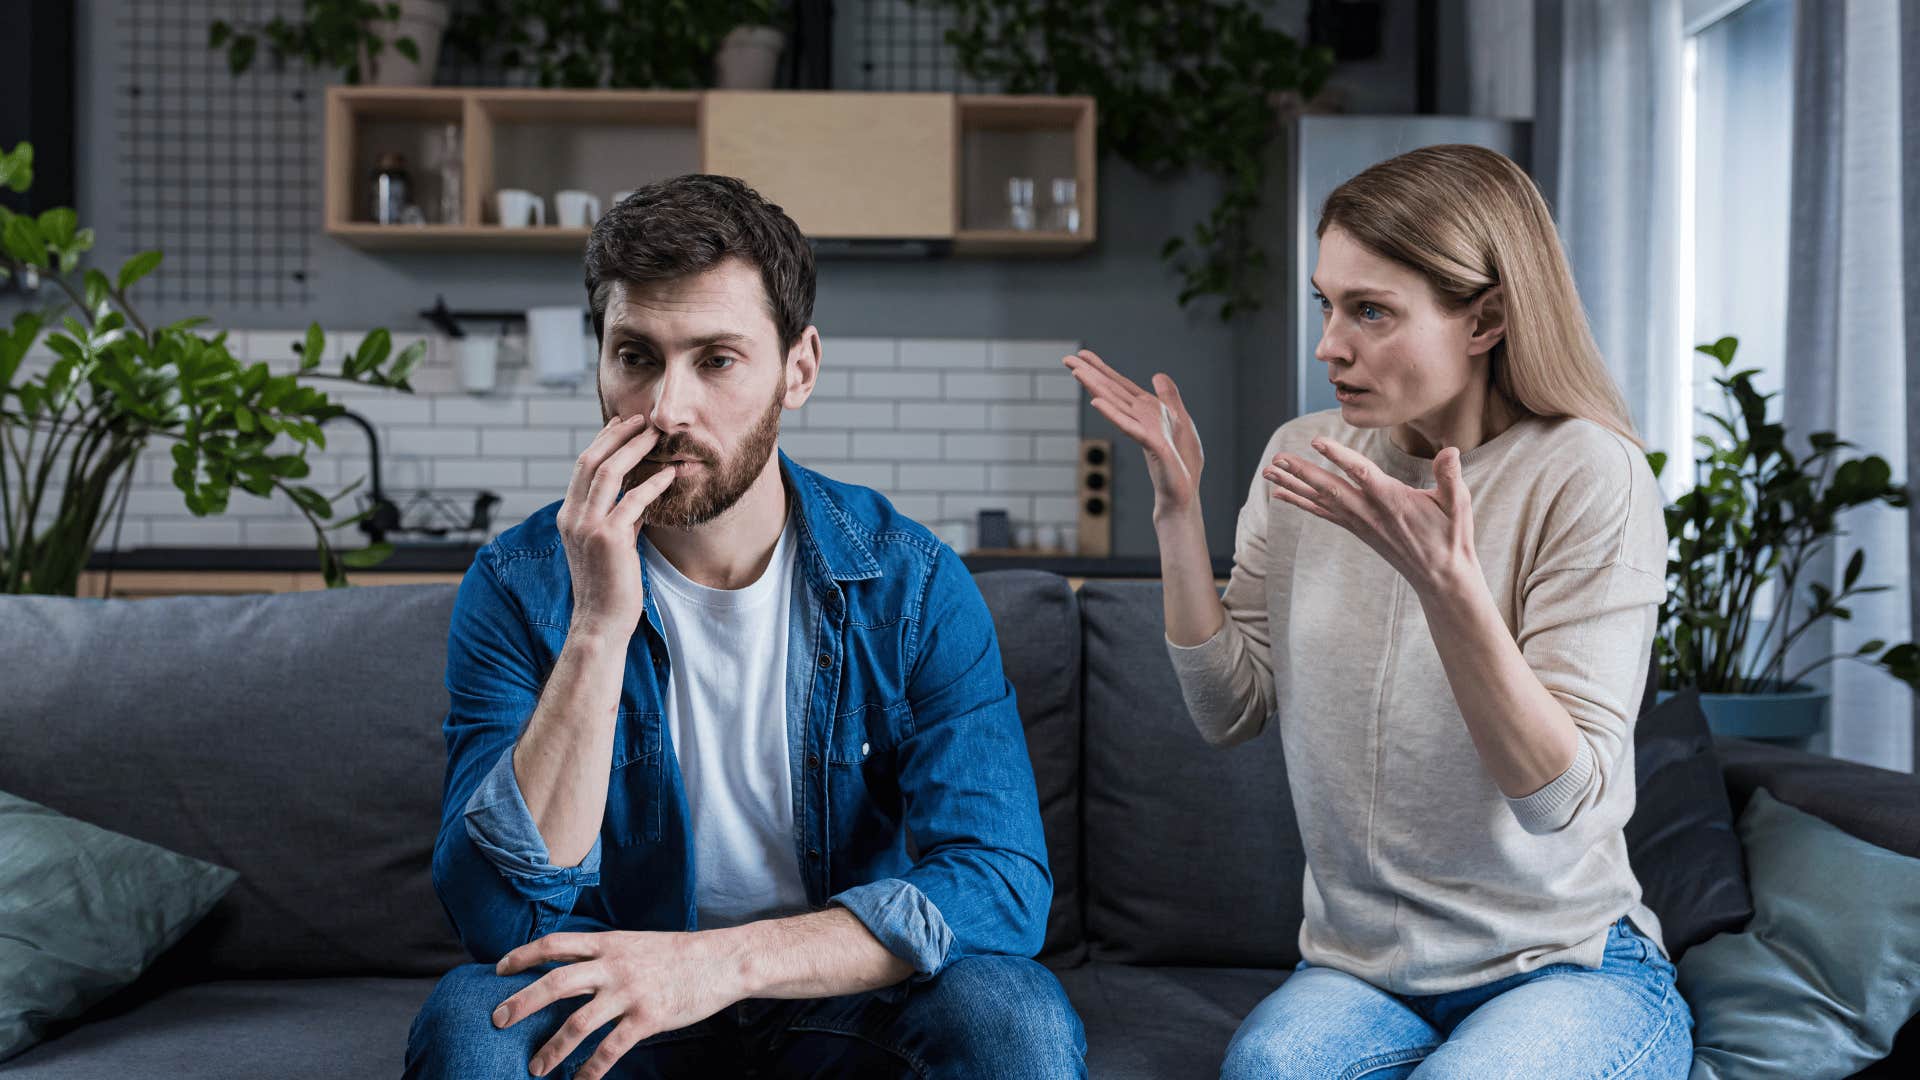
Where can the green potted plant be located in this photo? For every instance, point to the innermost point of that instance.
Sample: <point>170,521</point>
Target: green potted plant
<point>389,43</point>
<point>1183,85</point>
<point>117,384</point>
<point>667,44</point>
<point>1758,511</point>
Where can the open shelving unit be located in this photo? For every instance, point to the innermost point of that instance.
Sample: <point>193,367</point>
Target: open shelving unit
<point>847,165</point>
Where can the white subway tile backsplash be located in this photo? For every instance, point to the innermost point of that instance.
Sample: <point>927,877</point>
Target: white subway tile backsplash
<point>896,446</point>
<point>490,473</point>
<point>527,442</point>
<point>943,478</point>
<point>496,412</point>
<point>1005,417</point>
<point>849,414</point>
<point>949,416</point>
<point>944,427</point>
<point>443,441</point>
<point>945,353</point>
<point>1033,355</point>
<point>896,384</point>
<point>989,386</point>
<point>804,446</point>
<point>858,353</point>
<point>993,446</point>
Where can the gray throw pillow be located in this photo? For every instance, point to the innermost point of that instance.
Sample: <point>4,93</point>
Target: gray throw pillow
<point>83,912</point>
<point>1823,977</point>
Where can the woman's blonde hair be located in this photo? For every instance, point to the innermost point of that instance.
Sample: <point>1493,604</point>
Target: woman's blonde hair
<point>1468,218</point>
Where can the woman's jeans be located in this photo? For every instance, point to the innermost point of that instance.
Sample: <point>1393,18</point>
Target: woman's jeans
<point>1624,1019</point>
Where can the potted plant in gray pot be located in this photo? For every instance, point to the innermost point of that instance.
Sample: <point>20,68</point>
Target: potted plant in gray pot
<point>71,435</point>
<point>1757,512</point>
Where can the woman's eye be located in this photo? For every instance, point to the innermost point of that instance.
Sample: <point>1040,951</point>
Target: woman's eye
<point>1371,313</point>
<point>1322,302</point>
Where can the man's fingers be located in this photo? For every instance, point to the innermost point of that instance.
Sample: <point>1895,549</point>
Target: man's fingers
<point>611,1049</point>
<point>572,980</point>
<point>635,503</point>
<point>551,947</point>
<point>603,443</point>
<point>613,468</point>
<point>585,1020</point>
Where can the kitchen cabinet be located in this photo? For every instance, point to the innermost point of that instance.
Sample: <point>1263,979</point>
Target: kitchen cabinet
<point>848,166</point>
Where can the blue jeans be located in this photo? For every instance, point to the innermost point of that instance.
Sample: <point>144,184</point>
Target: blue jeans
<point>998,1016</point>
<point>1623,1019</point>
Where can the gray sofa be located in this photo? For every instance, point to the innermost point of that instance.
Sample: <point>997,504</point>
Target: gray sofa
<point>296,739</point>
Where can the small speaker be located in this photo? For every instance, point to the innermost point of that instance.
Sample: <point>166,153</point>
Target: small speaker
<point>1096,497</point>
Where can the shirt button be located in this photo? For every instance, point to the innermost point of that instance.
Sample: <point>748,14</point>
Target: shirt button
<point>814,854</point>
<point>826,660</point>
<point>863,749</point>
<point>813,761</point>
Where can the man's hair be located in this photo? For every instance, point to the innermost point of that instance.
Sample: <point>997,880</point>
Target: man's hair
<point>688,225</point>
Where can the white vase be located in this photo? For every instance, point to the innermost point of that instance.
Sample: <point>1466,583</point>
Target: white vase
<point>748,58</point>
<point>422,20</point>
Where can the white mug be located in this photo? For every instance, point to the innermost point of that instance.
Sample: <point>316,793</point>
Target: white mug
<point>576,209</point>
<point>516,203</point>
<point>479,358</point>
<point>556,346</point>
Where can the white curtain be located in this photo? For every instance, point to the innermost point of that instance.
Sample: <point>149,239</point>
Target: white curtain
<point>1846,357</point>
<point>1607,152</point>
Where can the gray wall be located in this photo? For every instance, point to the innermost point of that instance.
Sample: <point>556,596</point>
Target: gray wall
<point>1118,298</point>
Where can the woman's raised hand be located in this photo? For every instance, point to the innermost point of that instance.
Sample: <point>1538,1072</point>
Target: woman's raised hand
<point>1157,421</point>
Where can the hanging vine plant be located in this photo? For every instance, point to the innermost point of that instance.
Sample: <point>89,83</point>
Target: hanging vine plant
<point>1178,84</point>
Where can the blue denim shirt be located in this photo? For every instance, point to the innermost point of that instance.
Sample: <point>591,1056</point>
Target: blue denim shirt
<point>913,799</point>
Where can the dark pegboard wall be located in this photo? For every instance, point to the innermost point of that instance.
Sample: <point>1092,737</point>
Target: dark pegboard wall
<point>220,173</point>
<point>903,47</point>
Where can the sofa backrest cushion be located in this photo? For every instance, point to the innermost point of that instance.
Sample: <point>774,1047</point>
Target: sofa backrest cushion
<point>1037,620</point>
<point>1192,853</point>
<point>294,738</point>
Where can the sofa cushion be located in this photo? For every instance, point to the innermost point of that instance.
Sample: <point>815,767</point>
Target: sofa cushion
<point>1037,620</point>
<point>1680,839</point>
<point>1162,1023</point>
<point>1822,980</point>
<point>83,911</point>
<point>237,1030</point>
<point>1192,854</point>
<point>294,738</point>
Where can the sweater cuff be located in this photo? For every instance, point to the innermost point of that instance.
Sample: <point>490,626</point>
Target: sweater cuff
<point>1551,808</point>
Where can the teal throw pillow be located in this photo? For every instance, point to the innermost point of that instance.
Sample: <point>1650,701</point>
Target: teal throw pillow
<point>1828,970</point>
<point>83,911</point>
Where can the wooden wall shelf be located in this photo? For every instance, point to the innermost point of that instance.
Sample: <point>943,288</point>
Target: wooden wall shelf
<point>845,165</point>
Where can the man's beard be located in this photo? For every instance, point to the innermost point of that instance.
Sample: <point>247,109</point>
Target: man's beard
<point>697,496</point>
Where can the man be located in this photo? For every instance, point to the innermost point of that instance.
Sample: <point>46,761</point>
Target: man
<point>735,782</point>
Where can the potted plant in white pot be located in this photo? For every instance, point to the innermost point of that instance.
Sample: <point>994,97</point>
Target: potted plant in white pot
<point>71,435</point>
<point>749,56</point>
<point>1757,511</point>
<point>385,43</point>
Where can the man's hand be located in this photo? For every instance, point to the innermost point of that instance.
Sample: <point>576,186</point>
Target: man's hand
<point>648,982</point>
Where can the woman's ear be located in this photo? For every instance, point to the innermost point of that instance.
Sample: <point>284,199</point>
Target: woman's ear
<point>1489,315</point>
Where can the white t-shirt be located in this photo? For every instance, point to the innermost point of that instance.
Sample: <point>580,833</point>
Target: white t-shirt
<point>727,715</point>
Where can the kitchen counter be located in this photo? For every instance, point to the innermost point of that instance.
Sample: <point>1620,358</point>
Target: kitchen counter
<point>455,558</point>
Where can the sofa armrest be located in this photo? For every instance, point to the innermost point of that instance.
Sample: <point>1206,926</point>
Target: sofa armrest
<point>1877,805</point>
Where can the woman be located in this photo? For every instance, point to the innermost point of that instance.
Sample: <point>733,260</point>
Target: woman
<point>1444,593</point>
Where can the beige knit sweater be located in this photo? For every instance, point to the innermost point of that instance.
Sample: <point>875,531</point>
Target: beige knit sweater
<point>1422,877</point>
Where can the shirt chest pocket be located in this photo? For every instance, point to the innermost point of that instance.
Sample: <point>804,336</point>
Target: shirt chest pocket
<point>868,733</point>
<point>634,793</point>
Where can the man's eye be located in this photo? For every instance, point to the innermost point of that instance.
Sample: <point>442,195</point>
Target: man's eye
<point>636,358</point>
<point>721,362</point>
<point>1371,313</point>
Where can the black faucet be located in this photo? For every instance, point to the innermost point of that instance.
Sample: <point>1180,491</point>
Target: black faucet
<point>383,516</point>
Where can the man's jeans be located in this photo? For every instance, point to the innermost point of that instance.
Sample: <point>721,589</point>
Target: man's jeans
<point>997,1016</point>
<point>1624,1019</point>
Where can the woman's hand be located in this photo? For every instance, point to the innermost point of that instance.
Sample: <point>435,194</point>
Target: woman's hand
<point>1157,421</point>
<point>1427,535</point>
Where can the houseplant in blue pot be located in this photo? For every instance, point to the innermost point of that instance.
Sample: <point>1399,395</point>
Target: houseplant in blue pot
<point>1757,512</point>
